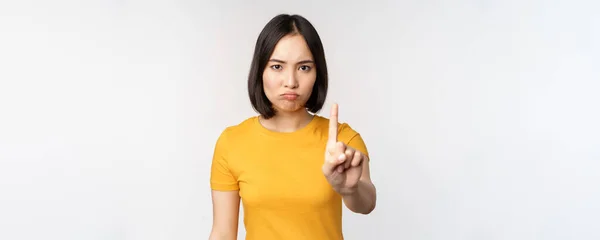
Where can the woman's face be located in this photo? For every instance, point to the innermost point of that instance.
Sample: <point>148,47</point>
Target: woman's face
<point>290,74</point>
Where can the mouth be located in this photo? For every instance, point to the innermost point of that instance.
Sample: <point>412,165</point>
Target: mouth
<point>290,96</point>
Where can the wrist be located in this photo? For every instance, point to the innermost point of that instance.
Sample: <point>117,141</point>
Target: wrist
<point>362,199</point>
<point>352,192</point>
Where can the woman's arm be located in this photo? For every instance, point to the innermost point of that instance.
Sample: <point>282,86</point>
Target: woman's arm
<point>226,209</point>
<point>364,199</point>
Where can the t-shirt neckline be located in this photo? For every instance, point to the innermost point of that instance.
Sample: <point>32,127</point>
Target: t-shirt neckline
<point>308,127</point>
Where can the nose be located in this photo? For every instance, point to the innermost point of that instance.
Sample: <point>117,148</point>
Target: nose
<point>290,80</point>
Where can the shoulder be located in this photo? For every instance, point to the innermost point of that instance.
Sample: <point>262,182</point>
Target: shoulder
<point>232,132</point>
<point>245,125</point>
<point>345,131</point>
<point>346,134</point>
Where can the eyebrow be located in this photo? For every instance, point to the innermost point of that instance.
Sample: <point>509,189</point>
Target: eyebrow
<point>281,61</point>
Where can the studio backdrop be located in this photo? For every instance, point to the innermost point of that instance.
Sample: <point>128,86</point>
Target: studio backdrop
<point>481,117</point>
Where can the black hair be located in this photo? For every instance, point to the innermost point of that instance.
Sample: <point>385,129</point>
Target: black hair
<point>278,27</point>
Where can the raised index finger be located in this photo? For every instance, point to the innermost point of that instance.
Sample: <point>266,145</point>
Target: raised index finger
<point>333,124</point>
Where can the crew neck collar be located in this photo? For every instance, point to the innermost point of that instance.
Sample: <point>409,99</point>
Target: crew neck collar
<point>306,128</point>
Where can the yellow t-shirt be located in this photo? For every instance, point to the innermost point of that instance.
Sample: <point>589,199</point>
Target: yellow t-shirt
<point>283,190</point>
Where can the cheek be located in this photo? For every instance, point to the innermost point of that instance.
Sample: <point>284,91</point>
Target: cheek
<point>269,83</point>
<point>309,82</point>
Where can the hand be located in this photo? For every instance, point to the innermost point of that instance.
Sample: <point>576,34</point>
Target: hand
<point>343,164</point>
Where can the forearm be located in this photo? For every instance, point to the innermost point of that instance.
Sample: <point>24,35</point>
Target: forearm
<point>363,200</point>
<point>222,235</point>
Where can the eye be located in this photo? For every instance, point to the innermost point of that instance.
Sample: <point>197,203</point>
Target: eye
<point>276,67</point>
<point>305,68</point>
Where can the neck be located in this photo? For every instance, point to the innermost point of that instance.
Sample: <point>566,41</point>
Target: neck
<point>287,121</point>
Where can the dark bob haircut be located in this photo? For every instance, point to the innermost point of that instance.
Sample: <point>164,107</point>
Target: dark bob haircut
<point>278,27</point>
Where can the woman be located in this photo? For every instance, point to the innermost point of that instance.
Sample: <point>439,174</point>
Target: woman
<point>291,168</point>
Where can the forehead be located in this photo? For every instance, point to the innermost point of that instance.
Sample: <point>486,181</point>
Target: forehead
<point>292,48</point>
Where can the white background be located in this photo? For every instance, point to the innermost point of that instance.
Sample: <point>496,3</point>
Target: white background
<point>482,117</point>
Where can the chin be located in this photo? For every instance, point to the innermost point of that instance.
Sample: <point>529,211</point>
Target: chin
<point>289,107</point>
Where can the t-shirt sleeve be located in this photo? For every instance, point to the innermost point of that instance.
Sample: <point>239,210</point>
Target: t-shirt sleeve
<point>357,143</point>
<point>221,177</point>
<point>352,138</point>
